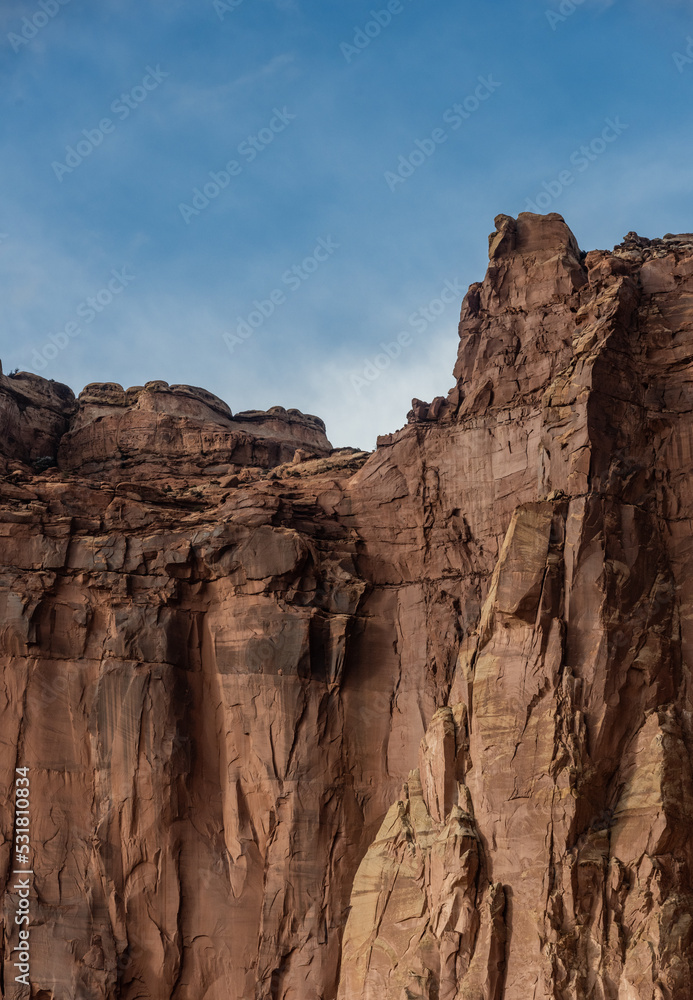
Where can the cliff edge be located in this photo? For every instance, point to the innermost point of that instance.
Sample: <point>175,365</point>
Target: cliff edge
<point>307,724</point>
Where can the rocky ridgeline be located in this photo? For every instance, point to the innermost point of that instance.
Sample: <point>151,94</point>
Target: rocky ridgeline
<point>640,248</point>
<point>178,430</point>
<point>417,724</point>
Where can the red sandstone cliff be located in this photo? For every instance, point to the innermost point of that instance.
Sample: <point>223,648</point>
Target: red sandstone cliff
<point>305,724</point>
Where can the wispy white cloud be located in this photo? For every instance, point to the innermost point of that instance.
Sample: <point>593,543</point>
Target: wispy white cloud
<point>269,69</point>
<point>324,177</point>
<point>209,101</point>
<point>424,370</point>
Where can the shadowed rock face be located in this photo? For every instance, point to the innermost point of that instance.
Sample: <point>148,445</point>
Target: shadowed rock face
<point>307,724</point>
<point>34,415</point>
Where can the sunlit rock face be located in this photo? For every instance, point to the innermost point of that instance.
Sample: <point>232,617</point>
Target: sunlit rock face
<point>308,724</point>
<point>179,430</point>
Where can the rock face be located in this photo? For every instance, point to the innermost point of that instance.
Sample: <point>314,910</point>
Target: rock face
<point>305,724</point>
<point>34,415</point>
<point>179,430</point>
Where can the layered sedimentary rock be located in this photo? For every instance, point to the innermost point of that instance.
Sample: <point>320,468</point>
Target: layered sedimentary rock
<point>305,723</point>
<point>179,430</point>
<point>34,415</point>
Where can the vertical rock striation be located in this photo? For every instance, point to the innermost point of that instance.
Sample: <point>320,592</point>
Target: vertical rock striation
<point>306,724</point>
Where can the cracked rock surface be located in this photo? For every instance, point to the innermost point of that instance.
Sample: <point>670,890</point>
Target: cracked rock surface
<point>313,724</point>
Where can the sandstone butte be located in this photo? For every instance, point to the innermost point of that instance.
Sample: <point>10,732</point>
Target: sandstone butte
<point>314,724</point>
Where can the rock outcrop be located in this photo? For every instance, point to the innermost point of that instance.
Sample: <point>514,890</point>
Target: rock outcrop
<point>179,430</point>
<point>34,416</point>
<point>305,724</point>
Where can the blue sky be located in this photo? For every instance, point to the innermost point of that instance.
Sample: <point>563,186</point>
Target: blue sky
<point>330,133</point>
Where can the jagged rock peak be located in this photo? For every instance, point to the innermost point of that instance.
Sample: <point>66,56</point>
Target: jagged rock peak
<point>531,233</point>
